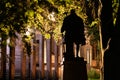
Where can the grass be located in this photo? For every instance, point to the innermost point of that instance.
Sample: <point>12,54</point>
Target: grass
<point>93,79</point>
<point>93,75</point>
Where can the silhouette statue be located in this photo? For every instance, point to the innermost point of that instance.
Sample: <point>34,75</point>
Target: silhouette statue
<point>74,33</point>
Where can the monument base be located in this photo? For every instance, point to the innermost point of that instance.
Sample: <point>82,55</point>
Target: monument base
<point>75,70</point>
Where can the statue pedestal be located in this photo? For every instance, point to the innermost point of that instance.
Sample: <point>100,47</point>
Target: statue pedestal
<point>75,70</point>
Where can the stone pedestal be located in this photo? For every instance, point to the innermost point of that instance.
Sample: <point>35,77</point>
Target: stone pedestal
<point>75,70</point>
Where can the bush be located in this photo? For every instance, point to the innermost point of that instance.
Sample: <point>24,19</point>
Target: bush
<point>93,74</point>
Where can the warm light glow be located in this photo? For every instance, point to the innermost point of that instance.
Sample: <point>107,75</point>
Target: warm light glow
<point>29,31</point>
<point>51,16</point>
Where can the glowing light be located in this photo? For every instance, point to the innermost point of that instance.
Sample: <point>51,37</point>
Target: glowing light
<point>51,16</point>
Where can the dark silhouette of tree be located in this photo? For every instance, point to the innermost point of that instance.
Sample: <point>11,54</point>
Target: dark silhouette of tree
<point>3,59</point>
<point>110,34</point>
<point>106,21</point>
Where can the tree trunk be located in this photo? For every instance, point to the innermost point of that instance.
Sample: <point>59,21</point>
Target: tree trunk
<point>57,61</point>
<point>51,64</point>
<point>106,22</point>
<point>94,51</point>
<point>34,60</point>
<point>106,29</point>
<point>41,57</point>
<point>12,59</point>
<point>48,56</point>
<point>101,44</point>
<point>3,60</point>
<point>23,64</point>
<point>112,55</point>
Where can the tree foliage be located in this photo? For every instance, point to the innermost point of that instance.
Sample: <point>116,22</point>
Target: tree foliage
<point>17,15</point>
<point>115,5</point>
<point>12,17</point>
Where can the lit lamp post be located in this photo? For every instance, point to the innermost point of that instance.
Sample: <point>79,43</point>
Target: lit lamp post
<point>28,46</point>
<point>28,50</point>
<point>51,16</point>
<point>52,21</point>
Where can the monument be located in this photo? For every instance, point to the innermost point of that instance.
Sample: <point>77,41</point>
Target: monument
<point>74,66</point>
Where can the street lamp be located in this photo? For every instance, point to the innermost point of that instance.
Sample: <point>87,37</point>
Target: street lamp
<point>28,48</point>
<point>51,25</point>
<point>32,36</point>
<point>51,16</point>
